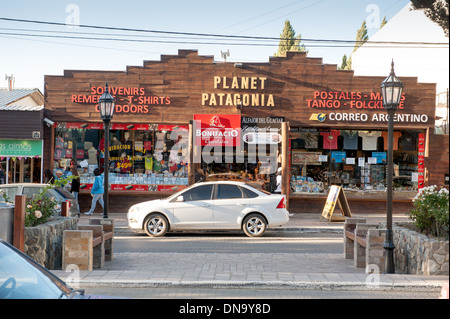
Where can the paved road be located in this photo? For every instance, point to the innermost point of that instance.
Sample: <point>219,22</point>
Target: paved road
<point>259,293</point>
<point>272,242</point>
<point>303,260</point>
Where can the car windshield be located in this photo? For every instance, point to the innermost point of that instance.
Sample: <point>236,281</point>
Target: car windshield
<point>9,193</point>
<point>23,279</point>
<point>64,192</point>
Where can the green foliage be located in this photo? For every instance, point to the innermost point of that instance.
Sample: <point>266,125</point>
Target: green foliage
<point>361,37</point>
<point>39,208</point>
<point>435,10</point>
<point>289,41</point>
<point>384,22</point>
<point>431,211</point>
<point>4,196</point>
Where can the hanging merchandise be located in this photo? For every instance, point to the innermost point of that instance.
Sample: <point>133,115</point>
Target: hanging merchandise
<point>370,139</point>
<point>330,139</point>
<point>350,139</point>
<point>397,135</point>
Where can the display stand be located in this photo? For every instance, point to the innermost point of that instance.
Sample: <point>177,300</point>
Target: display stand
<point>336,194</point>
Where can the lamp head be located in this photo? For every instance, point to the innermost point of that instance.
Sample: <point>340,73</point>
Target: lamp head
<point>391,90</point>
<point>106,105</point>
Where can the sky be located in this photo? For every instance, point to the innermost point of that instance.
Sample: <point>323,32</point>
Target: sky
<point>29,58</point>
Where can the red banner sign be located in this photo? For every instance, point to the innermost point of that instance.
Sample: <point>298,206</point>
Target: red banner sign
<point>217,129</point>
<point>122,126</point>
<point>421,161</point>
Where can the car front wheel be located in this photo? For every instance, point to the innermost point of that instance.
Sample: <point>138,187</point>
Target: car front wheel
<point>156,225</point>
<point>254,225</point>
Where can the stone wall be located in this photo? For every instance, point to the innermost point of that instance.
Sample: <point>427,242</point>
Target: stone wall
<point>43,243</point>
<point>417,254</point>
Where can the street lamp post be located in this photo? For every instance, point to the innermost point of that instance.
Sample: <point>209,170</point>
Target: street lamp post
<point>106,104</point>
<point>391,90</point>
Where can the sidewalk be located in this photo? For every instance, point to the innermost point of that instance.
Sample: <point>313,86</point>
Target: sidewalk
<point>280,270</point>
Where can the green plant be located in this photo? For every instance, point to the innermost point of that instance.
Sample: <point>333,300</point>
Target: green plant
<point>431,211</point>
<point>4,196</point>
<point>39,208</point>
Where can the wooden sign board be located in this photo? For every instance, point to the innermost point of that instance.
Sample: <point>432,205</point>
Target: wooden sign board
<point>336,195</point>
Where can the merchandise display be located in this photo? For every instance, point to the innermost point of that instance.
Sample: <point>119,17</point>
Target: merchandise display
<point>141,157</point>
<point>353,159</point>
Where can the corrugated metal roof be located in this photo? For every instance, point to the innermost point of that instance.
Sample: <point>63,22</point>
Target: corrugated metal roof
<point>14,107</point>
<point>8,97</point>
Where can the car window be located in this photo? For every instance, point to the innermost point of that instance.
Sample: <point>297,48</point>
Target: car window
<point>21,279</point>
<point>198,193</point>
<point>248,193</point>
<point>228,191</point>
<point>10,193</point>
<point>30,191</point>
<point>52,194</point>
<point>64,193</point>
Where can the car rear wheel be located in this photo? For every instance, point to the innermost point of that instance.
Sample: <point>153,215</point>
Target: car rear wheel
<point>156,225</point>
<point>254,225</point>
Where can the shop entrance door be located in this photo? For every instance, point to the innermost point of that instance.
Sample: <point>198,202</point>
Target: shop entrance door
<point>22,170</point>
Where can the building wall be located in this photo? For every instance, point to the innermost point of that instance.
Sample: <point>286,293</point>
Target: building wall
<point>175,88</point>
<point>20,124</point>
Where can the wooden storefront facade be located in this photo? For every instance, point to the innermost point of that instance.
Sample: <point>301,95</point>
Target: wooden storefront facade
<point>156,104</point>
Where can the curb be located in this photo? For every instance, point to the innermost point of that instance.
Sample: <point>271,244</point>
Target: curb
<point>306,285</point>
<point>126,230</point>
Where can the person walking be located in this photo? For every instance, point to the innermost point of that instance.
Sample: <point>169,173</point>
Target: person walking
<point>97,191</point>
<point>75,186</point>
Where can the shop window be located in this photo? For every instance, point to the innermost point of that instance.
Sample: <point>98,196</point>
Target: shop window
<point>255,164</point>
<point>353,159</point>
<point>141,157</point>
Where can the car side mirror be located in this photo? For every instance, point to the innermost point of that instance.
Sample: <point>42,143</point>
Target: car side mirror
<point>180,199</point>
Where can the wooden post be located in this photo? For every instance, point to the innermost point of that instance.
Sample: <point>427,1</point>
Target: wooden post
<point>19,222</point>
<point>286,180</point>
<point>65,209</point>
<point>191,167</point>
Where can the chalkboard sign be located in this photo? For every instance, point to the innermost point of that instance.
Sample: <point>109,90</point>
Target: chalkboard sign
<point>336,195</point>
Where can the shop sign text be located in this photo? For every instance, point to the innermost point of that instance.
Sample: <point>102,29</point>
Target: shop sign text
<point>129,100</point>
<point>252,84</point>
<point>349,100</point>
<point>357,107</point>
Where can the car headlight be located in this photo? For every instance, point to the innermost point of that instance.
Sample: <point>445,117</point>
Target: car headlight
<point>133,209</point>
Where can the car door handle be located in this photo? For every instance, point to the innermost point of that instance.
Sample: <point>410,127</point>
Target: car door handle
<point>205,205</point>
<point>240,204</point>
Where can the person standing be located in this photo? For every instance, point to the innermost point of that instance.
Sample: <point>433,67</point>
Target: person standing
<point>50,178</point>
<point>278,181</point>
<point>2,176</point>
<point>97,191</point>
<point>75,186</point>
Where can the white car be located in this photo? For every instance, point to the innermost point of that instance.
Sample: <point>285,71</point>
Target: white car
<point>211,206</point>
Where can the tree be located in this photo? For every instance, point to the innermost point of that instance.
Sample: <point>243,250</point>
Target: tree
<point>361,38</point>
<point>344,63</point>
<point>383,23</point>
<point>289,41</point>
<point>436,10</point>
